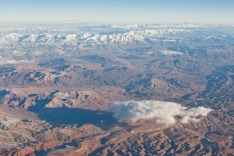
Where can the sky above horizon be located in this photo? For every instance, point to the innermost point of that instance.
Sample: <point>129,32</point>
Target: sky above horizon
<point>117,11</point>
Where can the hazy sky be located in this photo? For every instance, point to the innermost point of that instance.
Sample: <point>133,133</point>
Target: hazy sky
<point>117,11</point>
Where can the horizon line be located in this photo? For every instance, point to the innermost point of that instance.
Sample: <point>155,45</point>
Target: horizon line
<point>106,23</point>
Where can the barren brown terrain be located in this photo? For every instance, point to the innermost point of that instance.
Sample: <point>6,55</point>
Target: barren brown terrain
<point>58,104</point>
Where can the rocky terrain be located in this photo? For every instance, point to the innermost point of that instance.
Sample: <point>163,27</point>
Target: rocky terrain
<point>58,84</point>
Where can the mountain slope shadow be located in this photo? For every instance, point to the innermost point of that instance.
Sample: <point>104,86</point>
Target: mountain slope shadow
<point>79,116</point>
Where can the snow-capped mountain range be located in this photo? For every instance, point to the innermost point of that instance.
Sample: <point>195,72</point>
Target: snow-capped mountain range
<point>94,35</point>
<point>107,35</point>
<point>19,44</point>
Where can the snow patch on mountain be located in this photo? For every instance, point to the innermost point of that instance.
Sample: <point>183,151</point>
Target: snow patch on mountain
<point>170,52</point>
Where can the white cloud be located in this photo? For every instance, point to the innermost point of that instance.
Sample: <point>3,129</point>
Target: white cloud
<point>159,111</point>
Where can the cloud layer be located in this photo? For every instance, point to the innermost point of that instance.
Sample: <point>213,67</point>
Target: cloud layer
<point>159,111</point>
